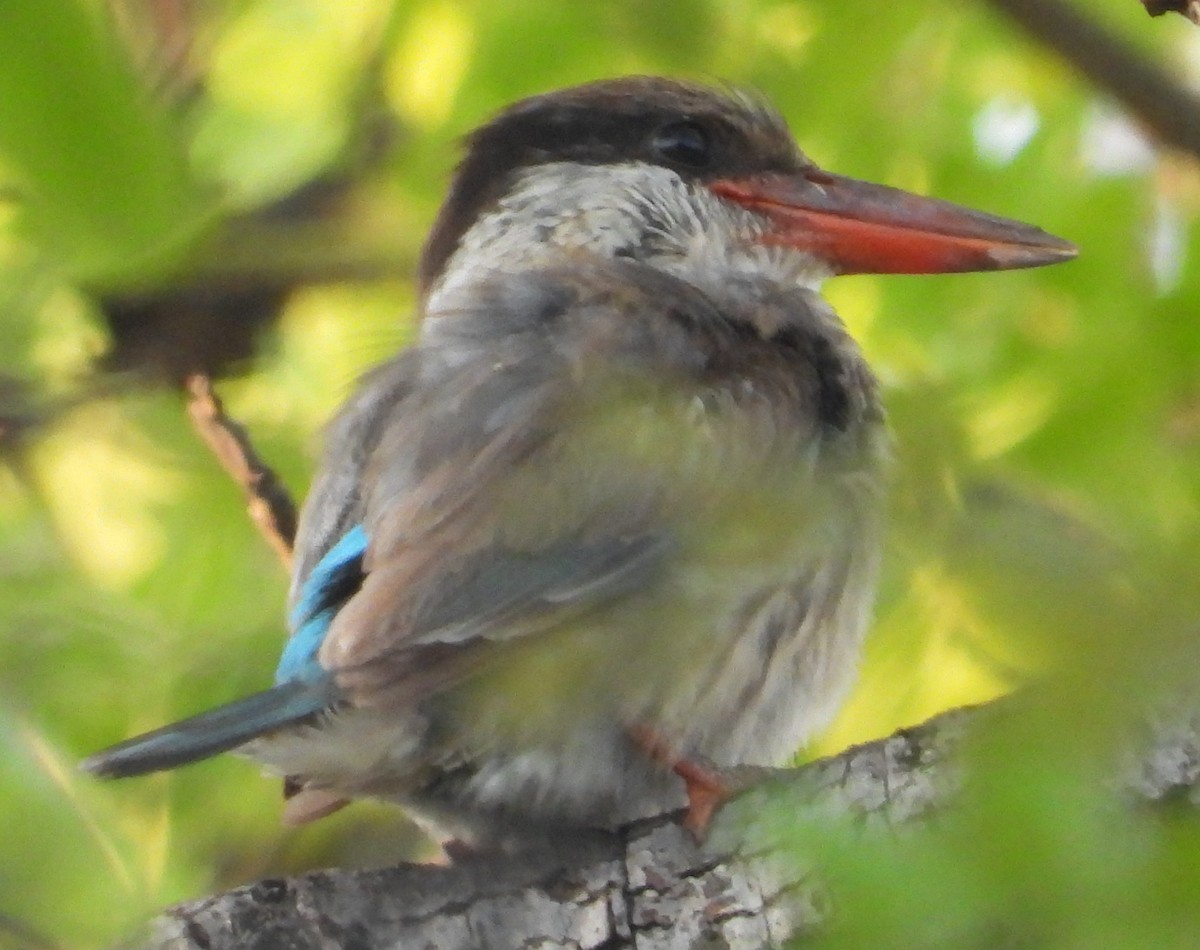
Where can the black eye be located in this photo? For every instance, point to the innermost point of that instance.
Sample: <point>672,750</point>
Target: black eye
<point>684,143</point>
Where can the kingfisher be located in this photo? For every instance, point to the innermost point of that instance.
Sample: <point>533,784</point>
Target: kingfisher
<point>612,524</point>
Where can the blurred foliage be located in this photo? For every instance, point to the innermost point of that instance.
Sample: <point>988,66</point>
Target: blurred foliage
<point>1046,509</point>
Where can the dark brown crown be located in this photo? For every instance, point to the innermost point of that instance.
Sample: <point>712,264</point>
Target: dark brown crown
<point>608,122</point>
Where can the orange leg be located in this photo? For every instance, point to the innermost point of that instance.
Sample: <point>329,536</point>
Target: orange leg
<point>706,789</point>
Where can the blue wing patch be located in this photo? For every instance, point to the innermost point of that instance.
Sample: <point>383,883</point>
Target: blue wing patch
<point>332,582</point>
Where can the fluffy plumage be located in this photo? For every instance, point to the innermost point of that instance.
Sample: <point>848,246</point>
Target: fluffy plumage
<point>601,501</point>
<point>627,479</point>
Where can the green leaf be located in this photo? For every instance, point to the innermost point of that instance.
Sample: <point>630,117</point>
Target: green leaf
<point>99,167</point>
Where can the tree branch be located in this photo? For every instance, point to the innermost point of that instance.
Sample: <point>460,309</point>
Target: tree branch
<point>1187,8</point>
<point>648,886</point>
<point>1165,107</point>
<point>270,505</point>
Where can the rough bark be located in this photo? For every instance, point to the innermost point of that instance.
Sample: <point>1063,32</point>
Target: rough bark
<point>650,887</point>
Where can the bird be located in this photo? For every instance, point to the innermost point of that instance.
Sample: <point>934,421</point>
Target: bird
<point>612,523</point>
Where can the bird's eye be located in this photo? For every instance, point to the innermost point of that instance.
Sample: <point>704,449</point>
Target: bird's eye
<point>684,143</point>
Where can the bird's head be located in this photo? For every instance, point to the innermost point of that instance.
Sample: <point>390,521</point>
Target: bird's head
<point>684,176</point>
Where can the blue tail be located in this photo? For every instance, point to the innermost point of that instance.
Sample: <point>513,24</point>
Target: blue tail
<point>217,730</point>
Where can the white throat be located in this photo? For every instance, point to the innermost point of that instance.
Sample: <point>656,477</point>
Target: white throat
<point>635,211</point>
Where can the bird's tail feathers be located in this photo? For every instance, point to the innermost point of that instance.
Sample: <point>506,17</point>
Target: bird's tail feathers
<point>215,731</point>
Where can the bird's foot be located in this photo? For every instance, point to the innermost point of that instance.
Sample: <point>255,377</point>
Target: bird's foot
<point>706,792</point>
<point>706,788</point>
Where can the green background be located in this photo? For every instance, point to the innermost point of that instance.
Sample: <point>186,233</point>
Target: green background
<point>1045,512</point>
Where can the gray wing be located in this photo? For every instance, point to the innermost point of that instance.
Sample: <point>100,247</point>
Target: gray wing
<point>334,503</point>
<point>537,456</point>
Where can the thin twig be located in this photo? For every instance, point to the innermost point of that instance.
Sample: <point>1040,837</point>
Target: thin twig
<point>1167,109</point>
<point>270,505</point>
